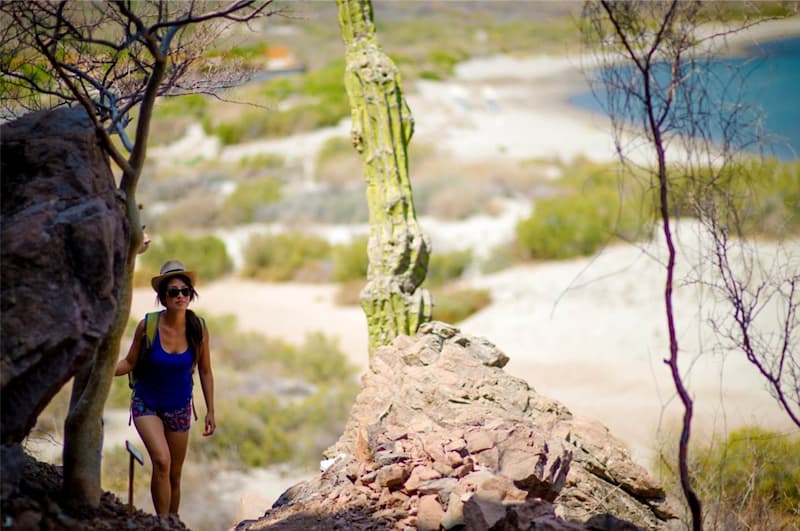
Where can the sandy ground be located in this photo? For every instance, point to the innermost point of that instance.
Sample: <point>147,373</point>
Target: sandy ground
<point>590,332</point>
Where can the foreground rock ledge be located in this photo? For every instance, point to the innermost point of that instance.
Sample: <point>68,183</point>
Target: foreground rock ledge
<point>440,437</point>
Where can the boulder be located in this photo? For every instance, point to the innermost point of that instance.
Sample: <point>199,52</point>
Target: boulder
<point>64,241</point>
<point>441,437</point>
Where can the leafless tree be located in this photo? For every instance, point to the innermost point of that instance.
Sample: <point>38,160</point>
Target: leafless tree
<point>113,58</point>
<point>686,132</point>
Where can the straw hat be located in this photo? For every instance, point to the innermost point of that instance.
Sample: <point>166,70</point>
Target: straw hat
<point>173,268</point>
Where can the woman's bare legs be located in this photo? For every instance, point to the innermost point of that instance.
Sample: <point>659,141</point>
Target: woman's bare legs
<point>151,430</point>
<point>177,441</point>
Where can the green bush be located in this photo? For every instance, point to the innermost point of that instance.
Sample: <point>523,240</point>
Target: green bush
<point>745,11</point>
<point>322,102</point>
<point>439,64</point>
<point>566,227</point>
<point>318,361</point>
<point>350,260</point>
<point>252,436</point>
<point>254,54</point>
<point>594,208</point>
<point>759,464</point>
<point>750,481</point>
<point>282,257</point>
<point>204,254</point>
<point>262,431</point>
<point>249,195</point>
<point>194,105</point>
<point>444,267</point>
<point>262,161</point>
<point>754,197</point>
<point>455,305</point>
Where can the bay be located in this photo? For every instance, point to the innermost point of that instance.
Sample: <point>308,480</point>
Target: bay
<point>765,80</point>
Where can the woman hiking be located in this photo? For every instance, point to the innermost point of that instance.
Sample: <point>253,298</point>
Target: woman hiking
<point>161,405</point>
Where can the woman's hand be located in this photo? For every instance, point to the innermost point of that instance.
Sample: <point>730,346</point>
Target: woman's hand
<point>211,425</point>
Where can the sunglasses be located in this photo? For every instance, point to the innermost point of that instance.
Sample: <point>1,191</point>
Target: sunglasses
<point>173,292</point>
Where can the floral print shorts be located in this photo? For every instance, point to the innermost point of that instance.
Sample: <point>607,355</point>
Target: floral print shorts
<point>176,420</point>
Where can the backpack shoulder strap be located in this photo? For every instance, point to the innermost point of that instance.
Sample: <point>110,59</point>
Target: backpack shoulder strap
<point>150,328</point>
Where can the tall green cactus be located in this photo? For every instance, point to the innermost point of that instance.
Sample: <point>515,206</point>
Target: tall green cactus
<point>382,127</point>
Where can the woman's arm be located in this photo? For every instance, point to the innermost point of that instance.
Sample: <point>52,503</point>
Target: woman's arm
<point>207,383</point>
<point>127,364</point>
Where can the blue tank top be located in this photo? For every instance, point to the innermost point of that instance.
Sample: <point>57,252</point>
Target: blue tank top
<point>166,382</point>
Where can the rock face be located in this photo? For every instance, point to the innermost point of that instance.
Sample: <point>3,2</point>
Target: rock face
<point>64,240</point>
<point>440,437</point>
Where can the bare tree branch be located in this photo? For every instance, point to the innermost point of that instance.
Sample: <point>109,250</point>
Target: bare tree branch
<point>655,86</point>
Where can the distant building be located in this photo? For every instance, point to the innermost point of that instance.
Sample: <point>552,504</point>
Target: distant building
<point>280,57</point>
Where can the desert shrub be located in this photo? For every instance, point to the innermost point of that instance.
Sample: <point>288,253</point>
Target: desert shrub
<point>338,163</point>
<point>261,431</point>
<point>241,351</point>
<point>194,105</point>
<point>444,267</point>
<point>262,161</point>
<point>566,227</point>
<point>442,203</point>
<point>756,197</point>
<point>316,422</point>
<point>204,254</point>
<point>254,54</point>
<point>197,209</point>
<point>743,11</point>
<point>593,208</point>
<point>248,195</point>
<point>253,434</point>
<point>343,204</point>
<point>349,293</point>
<point>318,360</point>
<point>439,64</point>
<point>172,116</point>
<point>282,257</point>
<point>501,256</point>
<point>452,305</point>
<point>350,260</point>
<point>333,148</point>
<point>749,481</point>
<point>322,102</point>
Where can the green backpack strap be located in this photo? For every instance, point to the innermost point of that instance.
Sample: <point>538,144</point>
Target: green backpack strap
<point>150,328</point>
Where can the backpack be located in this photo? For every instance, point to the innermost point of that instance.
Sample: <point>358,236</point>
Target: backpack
<point>146,349</point>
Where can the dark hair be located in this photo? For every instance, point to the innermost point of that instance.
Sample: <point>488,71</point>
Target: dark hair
<point>194,327</point>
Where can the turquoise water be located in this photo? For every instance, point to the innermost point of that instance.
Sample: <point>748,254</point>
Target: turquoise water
<point>766,78</point>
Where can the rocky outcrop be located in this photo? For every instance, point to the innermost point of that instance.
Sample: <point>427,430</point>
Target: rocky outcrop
<point>64,240</point>
<point>441,437</point>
